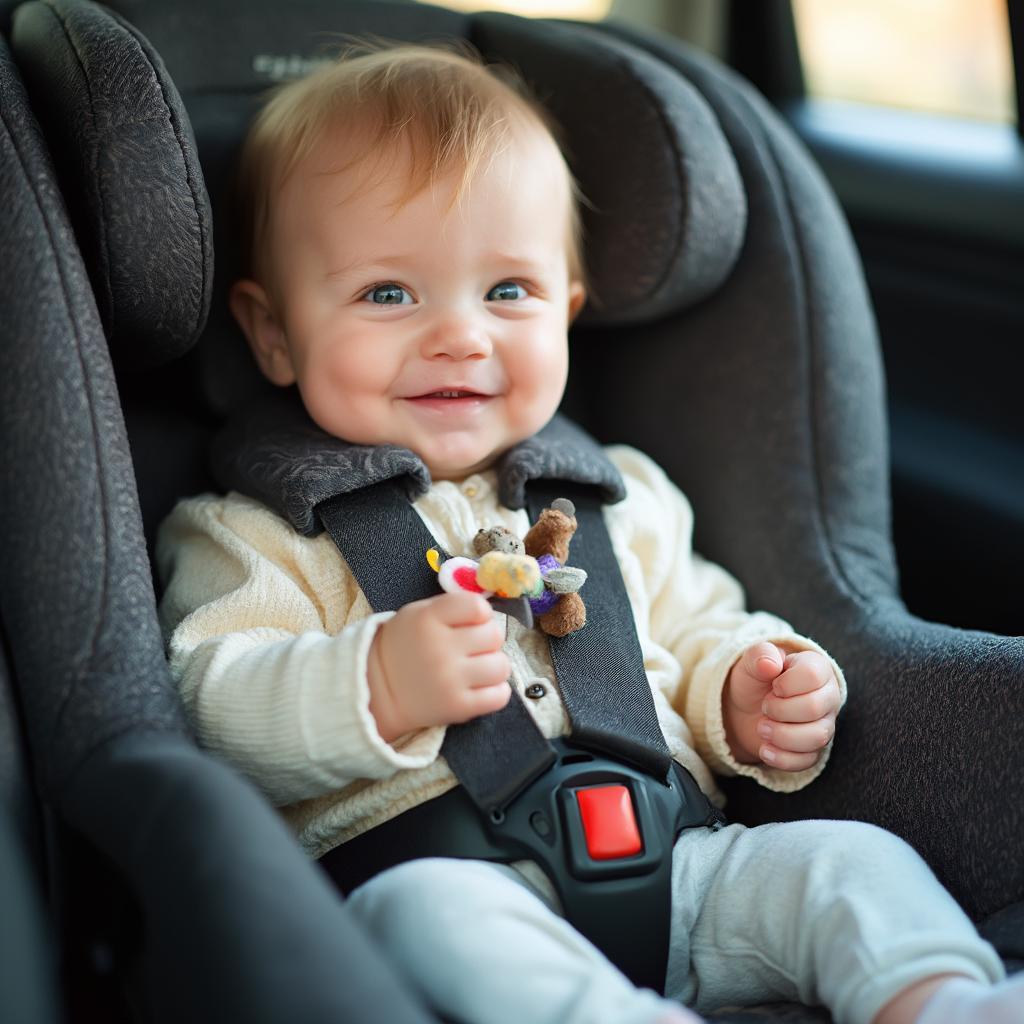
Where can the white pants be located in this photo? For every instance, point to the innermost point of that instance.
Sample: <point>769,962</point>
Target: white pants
<point>821,912</point>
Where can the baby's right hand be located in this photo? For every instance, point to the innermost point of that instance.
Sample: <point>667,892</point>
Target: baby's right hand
<point>438,661</point>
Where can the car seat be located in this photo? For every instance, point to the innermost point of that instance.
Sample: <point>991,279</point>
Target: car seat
<point>733,341</point>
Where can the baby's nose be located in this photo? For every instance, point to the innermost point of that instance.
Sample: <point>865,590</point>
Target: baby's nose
<point>456,337</point>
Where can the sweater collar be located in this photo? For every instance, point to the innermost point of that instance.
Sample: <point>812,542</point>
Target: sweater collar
<point>273,452</point>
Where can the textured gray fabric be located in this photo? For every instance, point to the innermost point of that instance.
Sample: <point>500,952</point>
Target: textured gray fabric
<point>218,47</point>
<point>560,451</point>
<point>274,452</point>
<point>127,161</point>
<point>773,389</point>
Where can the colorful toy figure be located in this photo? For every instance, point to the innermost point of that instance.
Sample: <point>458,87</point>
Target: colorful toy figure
<point>519,581</point>
<point>560,609</point>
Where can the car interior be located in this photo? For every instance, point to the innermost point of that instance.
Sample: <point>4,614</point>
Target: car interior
<point>819,340</point>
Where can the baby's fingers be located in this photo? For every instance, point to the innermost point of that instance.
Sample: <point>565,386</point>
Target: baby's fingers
<point>484,670</point>
<point>786,760</point>
<point>484,638</point>
<point>488,688</point>
<point>802,738</point>
<point>802,672</point>
<point>805,707</point>
<point>484,700</point>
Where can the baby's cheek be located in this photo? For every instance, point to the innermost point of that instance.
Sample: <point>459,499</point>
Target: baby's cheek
<point>541,372</point>
<point>337,404</point>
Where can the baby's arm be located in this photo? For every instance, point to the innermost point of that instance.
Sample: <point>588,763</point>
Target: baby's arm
<point>695,612</point>
<point>269,639</point>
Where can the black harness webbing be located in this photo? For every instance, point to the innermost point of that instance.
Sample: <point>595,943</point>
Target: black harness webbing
<point>600,668</point>
<point>510,800</point>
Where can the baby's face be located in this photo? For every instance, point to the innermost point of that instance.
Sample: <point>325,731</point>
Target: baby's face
<point>439,327</point>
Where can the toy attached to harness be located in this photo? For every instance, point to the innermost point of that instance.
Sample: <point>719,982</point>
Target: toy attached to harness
<point>526,578</point>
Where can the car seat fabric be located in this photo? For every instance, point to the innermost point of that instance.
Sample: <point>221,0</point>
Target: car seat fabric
<point>135,232</point>
<point>764,400</point>
<point>236,924</point>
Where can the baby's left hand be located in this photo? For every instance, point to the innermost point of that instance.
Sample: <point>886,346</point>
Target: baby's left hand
<point>780,707</point>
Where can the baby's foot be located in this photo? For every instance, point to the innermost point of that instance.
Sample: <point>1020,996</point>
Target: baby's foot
<point>963,1001</point>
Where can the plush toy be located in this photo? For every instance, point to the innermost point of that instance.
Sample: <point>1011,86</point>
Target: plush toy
<point>527,578</point>
<point>560,609</point>
<point>497,538</point>
<point>504,578</point>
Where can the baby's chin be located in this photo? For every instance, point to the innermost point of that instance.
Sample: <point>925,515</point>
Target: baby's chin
<point>456,467</point>
<point>457,472</point>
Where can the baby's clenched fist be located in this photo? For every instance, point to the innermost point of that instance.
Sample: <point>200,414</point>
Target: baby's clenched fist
<point>437,662</point>
<point>780,708</point>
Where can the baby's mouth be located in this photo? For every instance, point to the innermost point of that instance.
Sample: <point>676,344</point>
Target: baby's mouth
<point>449,395</point>
<point>452,401</point>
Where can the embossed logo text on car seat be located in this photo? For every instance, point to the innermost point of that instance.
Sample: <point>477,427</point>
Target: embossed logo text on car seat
<point>279,66</point>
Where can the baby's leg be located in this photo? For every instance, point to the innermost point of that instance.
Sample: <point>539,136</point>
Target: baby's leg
<point>823,912</point>
<point>479,946</point>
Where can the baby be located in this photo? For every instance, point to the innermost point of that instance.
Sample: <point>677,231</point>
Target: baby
<point>414,265</point>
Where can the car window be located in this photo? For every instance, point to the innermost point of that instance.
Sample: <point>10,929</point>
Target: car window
<point>936,56</point>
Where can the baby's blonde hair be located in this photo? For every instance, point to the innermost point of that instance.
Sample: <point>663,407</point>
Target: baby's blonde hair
<point>451,111</point>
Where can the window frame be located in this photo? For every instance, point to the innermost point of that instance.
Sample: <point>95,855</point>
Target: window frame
<point>876,157</point>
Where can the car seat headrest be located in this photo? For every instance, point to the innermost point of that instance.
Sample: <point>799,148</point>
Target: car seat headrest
<point>129,171</point>
<point>669,212</point>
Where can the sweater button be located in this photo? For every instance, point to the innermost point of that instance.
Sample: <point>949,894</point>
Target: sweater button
<point>474,486</point>
<point>536,690</point>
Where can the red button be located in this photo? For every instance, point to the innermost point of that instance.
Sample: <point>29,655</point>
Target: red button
<point>608,822</point>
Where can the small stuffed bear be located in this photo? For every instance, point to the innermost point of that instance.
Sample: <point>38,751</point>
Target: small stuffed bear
<point>497,538</point>
<point>562,610</point>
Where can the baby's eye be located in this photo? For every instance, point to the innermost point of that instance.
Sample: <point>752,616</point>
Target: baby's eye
<point>506,291</point>
<point>388,295</point>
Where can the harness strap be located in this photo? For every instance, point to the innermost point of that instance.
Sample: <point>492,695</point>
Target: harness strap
<point>600,668</point>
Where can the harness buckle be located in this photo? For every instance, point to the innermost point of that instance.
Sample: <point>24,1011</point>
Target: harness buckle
<point>610,828</point>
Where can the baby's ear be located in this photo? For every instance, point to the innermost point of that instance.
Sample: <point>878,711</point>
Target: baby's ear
<point>251,307</point>
<point>577,297</point>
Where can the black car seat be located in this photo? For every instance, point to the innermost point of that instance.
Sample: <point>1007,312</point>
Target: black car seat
<point>28,948</point>
<point>734,342</point>
<point>167,868</point>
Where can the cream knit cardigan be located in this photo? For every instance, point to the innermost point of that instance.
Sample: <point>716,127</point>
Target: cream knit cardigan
<point>268,636</point>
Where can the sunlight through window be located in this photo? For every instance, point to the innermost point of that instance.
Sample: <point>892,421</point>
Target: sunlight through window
<point>940,56</point>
